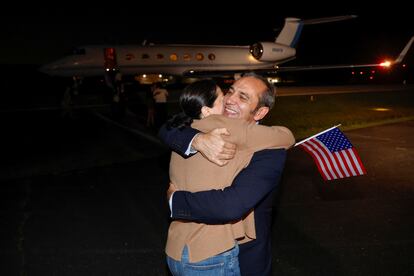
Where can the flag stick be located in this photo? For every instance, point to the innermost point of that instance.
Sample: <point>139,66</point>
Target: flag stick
<point>303,141</point>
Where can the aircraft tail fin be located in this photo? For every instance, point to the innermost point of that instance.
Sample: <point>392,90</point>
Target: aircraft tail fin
<point>292,29</point>
<point>404,51</point>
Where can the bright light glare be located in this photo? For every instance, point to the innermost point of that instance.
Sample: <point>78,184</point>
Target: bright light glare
<point>385,63</point>
<point>273,80</point>
<point>381,109</point>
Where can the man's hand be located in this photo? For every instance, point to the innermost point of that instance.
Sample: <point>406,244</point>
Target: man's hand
<point>213,147</point>
<point>171,189</point>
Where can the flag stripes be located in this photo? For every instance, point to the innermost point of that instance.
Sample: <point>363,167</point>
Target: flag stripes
<point>334,164</point>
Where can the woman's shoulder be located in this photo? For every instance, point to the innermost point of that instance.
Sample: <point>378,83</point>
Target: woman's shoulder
<point>219,121</point>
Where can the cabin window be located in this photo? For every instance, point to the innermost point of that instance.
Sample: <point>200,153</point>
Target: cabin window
<point>211,56</point>
<point>129,56</point>
<point>145,56</point>
<point>160,56</point>
<point>187,57</point>
<point>173,57</point>
<point>199,56</point>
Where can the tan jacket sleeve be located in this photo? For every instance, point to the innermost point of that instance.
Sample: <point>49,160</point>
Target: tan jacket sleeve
<point>259,137</point>
<point>248,136</point>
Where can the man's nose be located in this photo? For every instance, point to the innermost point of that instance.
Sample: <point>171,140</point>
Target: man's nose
<point>229,98</point>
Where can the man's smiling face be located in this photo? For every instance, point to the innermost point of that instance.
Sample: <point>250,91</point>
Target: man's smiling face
<point>242,99</point>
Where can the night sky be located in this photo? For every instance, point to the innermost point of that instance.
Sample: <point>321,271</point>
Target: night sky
<point>38,35</point>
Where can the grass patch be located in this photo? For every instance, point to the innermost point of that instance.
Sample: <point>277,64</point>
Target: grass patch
<point>353,110</point>
<point>356,110</point>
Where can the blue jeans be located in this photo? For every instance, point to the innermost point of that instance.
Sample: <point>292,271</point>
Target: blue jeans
<point>224,264</point>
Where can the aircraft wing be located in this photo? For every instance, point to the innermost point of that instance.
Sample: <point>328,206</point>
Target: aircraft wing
<point>324,67</point>
<point>277,69</point>
<point>398,60</point>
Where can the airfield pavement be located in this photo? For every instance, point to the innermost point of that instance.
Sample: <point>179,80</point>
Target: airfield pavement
<point>87,197</point>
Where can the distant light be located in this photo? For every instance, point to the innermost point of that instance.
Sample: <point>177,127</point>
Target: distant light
<point>353,73</point>
<point>273,80</point>
<point>373,71</point>
<point>107,69</point>
<point>385,64</point>
<point>361,73</point>
<point>160,76</point>
<point>371,77</point>
<point>404,65</point>
<point>191,71</point>
<point>144,76</point>
<point>381,109</point>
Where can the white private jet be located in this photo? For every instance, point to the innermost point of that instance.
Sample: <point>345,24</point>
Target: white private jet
<point>157,62</point>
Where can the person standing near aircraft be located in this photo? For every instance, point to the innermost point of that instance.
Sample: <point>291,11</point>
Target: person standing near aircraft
<point>192,247</point>
<point>119,83</point>
<point>250,98</point>
<point>67,103</point>
<point>150,104</point>
<point>160,95</point>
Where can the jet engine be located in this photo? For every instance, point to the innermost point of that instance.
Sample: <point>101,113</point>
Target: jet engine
<point>270,51</point>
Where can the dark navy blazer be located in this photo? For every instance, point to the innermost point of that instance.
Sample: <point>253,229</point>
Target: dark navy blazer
<point>254,187</point>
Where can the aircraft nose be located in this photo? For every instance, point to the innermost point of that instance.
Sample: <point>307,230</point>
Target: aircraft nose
<point>50,68</point>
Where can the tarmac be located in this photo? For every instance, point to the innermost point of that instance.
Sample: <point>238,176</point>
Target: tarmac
<point>87,197</point>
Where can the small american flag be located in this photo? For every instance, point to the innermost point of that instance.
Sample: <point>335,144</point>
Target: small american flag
<point>334,154</point>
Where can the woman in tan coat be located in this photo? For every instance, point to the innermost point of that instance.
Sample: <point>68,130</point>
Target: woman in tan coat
<point>195,248</point>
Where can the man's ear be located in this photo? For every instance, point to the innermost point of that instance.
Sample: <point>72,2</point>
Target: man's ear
<point>260,113</point>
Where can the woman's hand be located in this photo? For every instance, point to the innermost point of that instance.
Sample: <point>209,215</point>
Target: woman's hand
<point>171,189</point>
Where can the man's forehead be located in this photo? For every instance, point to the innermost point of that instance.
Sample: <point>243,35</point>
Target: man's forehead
<point>248,85</point>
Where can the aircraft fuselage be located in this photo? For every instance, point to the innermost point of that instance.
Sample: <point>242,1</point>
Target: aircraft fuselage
<point>166,59</point>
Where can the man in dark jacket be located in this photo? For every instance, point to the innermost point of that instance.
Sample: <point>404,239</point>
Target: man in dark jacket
<point>250,98</point>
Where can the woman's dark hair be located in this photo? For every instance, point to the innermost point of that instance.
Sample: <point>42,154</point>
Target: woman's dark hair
<point>192,99</point>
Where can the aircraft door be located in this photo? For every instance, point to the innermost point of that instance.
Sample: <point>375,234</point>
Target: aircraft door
<point>110,59</point>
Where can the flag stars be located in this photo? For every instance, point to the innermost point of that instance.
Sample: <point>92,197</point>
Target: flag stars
<point>335,140</point>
